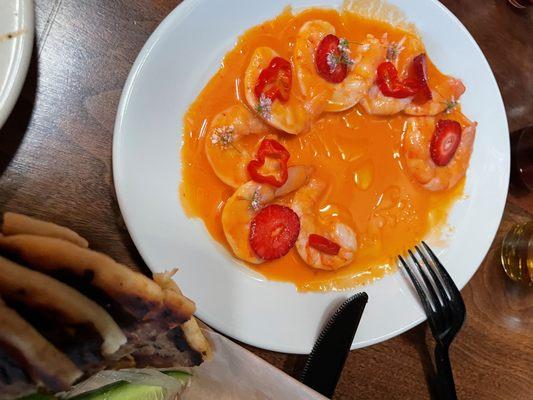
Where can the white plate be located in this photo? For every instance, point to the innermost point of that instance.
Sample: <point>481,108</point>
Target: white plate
<point>172,68</point>
<point>16,16</point>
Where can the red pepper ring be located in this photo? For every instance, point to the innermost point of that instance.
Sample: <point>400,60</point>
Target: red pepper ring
<point>272,149</point>
<point>274,82</point>
<point>323,244</point>
<point>390,85</point>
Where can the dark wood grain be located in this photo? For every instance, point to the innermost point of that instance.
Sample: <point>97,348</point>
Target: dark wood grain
<point>55,163</point>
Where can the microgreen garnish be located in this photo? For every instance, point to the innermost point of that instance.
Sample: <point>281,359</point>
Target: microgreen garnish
<point>255,203</point>
<point>334,60</point>
<point>450,105</point>
<point>344,49</point>
<point>394,49</point>
<point>223,136</point>
<point>264,108</point>
<point>343,44</point>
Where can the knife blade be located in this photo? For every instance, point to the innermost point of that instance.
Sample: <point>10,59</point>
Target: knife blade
<point>324,365</point>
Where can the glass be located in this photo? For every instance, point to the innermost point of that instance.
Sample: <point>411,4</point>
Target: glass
<point>517,253</point>
<point>522,158</point>
<point>521,3</point>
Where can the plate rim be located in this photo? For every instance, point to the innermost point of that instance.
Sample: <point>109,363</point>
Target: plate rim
<point>18,76</point>
<point>181,11</point>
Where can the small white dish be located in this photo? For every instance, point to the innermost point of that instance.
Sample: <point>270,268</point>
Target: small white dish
<point>16,44</point>
<point>171,70</point>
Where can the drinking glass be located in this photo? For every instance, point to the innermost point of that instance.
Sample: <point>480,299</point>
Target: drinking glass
<point>517,253</point>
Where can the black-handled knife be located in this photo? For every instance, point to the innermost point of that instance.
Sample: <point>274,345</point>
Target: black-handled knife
<point>324,365</point>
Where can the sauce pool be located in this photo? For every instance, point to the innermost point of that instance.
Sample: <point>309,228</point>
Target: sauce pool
<point>358,155</point>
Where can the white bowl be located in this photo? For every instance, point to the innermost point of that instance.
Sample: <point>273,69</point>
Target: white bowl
<point>172,68</point>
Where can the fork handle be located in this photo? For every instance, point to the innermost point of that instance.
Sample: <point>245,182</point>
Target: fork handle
<point>445,374</point>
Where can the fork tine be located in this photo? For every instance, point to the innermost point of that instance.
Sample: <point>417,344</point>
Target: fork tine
<point>446,278</point>
<point>440,318</point>
<point>445,296</point>
<point>421,293</point>
<point>456,300</point>
<point>431,290</point>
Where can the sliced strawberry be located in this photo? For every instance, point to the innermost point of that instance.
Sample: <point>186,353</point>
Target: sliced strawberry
<point>445,141</point>
<point>323,244</point>
<point>420,70</point>
<point>328,59</point>
<point>273,231</point>
<point>274,82</point>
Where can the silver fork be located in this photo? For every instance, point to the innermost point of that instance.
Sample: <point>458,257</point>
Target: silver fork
<point>444,308</point>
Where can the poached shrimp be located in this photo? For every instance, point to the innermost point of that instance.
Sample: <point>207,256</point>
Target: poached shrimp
<point>376,103</point>
<point>445,96</point>
<point>417,137</point>
<point>368,55</point>
<point>230,143</point>
<point>247,201</point>
<point>314,88</point>
<point>304,204</point>
<point>291,116</point>
<point>335,97</point>
<point>401,54</point>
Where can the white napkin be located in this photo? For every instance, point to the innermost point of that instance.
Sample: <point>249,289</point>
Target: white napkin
<point>235,373</point>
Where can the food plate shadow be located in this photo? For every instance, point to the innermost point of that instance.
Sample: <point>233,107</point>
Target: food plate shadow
<point>416,337</point>
<point>14,129</point>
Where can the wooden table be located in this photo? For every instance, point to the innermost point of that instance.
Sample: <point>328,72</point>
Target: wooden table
<point>55,163</point>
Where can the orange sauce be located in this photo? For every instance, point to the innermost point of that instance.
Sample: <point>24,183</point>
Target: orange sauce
<point>356,154</point>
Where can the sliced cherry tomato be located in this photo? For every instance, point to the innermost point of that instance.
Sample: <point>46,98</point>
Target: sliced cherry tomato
<point>421,75</point>
<point>390,85</point>
<point>275,81</point>
<point>323,244</point>
<point>273,231</point>
<point>328,60</point>
<point>445,141</point>
<point>272,149</point>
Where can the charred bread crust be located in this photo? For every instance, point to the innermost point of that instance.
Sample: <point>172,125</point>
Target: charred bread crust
<point>139,295</point>
<point>154,316</point>
<point>42,292</point>
<point>14,382</point>
<point>15,224</point>
<point>40,359</point>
